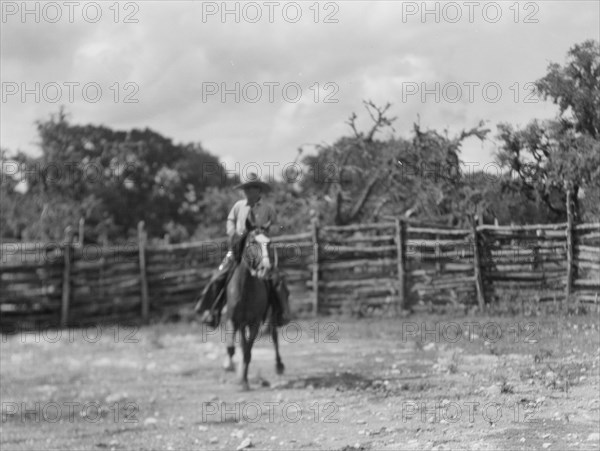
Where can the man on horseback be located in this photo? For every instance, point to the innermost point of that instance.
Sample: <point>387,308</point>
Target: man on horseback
<point>249,213</point>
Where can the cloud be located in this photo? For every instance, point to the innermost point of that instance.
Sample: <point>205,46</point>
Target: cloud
<point>371,53</point>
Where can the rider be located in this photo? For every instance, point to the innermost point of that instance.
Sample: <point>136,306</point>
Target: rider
<point>255,211</point>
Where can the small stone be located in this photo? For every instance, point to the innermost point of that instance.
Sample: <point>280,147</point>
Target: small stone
<point>202,428</point>
<point>493,390</point>
<point>361,422</point>
<point>150,420</point>
<point>246,443</point>
<point>115,397</point>
<point>213,440</point>
<point>593,437</point>
<point>546,445</point>
<point>237,433</point>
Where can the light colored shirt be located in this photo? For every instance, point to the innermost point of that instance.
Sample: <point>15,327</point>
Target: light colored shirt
<point>264,216</point>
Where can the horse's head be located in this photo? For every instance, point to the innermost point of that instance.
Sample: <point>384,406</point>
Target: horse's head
<point>256,253</point>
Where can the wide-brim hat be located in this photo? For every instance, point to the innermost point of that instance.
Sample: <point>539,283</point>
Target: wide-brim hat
<point>254,182</point>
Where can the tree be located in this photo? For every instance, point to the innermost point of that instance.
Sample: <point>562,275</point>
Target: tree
<point>114,179</point>
<point>545,159</point>
<point>360,178</point>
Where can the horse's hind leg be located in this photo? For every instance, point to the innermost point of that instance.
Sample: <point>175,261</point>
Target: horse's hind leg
<point>230,332</point>
<point>279,366</point>
<point>247,342</point>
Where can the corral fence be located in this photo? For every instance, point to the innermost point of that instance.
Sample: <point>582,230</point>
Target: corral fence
<point>356,269</point>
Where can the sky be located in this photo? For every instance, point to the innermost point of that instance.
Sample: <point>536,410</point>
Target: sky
<point>255,81</point>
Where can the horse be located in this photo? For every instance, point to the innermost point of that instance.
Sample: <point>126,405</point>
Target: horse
<point>248,302</point>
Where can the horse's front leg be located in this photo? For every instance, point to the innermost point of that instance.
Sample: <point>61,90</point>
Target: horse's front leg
<point>230,331</point>
<point>248,335</point>
<point>279,366</point>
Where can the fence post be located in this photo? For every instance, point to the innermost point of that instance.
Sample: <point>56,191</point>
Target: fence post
<point>401,260</point>
<point>315,272</point>
<point>143,280</point>
<point>569,231</point>
<point>66,285</point>
<point>438,255</point>
<point>477,265</point>
<point>81,232</point>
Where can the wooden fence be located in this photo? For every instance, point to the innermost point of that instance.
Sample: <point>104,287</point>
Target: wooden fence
<point>370,267</point>
<point>356,269</point>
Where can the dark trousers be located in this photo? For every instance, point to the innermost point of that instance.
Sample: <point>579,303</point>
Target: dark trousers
<point>216,287</point>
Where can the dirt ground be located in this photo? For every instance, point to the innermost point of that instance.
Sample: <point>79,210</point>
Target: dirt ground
<point>421,382</point>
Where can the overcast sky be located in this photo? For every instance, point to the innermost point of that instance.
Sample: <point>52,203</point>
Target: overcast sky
<point>172,56</point>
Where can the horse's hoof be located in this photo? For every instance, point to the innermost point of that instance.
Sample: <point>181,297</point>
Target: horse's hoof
<point>245,386</point>
<point>280,368</point>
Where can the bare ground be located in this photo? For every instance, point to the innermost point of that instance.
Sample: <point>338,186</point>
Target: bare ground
<point>412,383</point>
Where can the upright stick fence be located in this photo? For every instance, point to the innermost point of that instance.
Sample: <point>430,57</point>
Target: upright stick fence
<point>359,269</point>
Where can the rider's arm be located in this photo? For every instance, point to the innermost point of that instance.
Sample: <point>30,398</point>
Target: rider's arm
<point>232,219</point>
